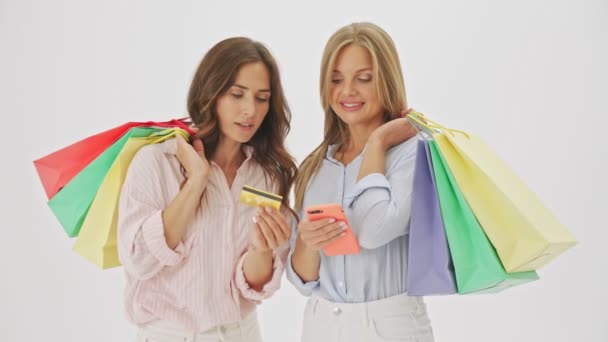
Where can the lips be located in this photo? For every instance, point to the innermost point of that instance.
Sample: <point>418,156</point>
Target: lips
<point>351,106</point>
<point>243,126</point>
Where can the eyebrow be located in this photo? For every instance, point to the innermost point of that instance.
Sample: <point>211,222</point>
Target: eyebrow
<point>358,71</point>
<point>245,88</point>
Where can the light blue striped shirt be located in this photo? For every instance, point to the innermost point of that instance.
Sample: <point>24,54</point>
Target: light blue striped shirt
<point>378,208</point>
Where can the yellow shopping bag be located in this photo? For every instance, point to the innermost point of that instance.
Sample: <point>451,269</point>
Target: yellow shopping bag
<point>525,234</point>
<point>97,238</point>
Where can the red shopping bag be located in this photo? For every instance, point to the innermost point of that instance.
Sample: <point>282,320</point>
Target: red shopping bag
<point>58,168</point>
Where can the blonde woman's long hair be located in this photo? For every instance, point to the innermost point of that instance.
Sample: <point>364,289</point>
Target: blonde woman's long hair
<point>390,88</point>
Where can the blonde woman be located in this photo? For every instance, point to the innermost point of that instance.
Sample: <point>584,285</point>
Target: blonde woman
<point>365,163</point>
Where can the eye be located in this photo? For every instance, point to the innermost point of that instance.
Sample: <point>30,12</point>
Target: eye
<point>365,79</point>
<point>336,81</point>
<point>236,95</point>
<point>262,99</point>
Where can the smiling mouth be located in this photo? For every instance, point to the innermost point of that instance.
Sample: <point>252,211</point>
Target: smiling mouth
<point>351,106</point>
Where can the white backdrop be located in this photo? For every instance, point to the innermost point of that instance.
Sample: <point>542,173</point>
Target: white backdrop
<point>526,75</point>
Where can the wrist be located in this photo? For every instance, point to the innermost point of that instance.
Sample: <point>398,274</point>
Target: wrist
<point>303,249</point>
<point>375,144</point>
<point>253,250</point>
<point>194,186</point>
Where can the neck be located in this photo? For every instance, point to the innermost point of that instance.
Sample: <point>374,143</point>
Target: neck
<point>359,134</point>
<point>228,154</point>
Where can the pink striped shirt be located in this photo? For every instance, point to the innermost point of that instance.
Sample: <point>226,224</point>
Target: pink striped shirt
<point>199,284</point>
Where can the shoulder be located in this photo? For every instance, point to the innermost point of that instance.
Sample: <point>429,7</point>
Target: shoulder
<point>403,151</point>
<point>153,156</point>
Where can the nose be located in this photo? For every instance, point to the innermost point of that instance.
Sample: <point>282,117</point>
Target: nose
<point>349,88</point>
<point>248,107</point>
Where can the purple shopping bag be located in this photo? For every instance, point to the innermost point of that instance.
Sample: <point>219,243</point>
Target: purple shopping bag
<point>430,268</point>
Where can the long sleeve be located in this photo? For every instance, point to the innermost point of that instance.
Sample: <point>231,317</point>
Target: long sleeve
<point>381,204</point>
<point>279,257</point>
<point>142,247</point>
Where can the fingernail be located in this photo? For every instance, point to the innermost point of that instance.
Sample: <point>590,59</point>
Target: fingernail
<point>342,224</point>
<point>268,209</point>
<point>332,220</point>
<point>255,219</point>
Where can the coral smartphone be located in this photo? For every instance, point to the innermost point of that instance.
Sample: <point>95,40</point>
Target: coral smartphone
<point>345,245</point>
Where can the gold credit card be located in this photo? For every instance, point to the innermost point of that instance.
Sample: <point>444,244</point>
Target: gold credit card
<point>257,198</point>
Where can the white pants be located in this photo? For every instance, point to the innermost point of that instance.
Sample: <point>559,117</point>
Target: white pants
<point>398,318</point>
<point>246,330</point>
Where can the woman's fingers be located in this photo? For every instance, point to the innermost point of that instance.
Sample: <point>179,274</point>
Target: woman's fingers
<point>271,234</point>
<point>329,238</point>
<point>279,219</point>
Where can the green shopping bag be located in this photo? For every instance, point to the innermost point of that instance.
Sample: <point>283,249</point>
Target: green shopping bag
<point>71,204</point>
<point>477,267</point>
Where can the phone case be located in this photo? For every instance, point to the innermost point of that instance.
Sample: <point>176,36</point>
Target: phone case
<point>348,243</point>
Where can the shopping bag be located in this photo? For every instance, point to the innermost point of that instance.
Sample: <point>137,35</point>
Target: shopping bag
<point>476,265</point>
<point>524,232</point>
<point>71,204</point>
<point>97,238</point>
<point>56,169</point>
<point>430,268</point>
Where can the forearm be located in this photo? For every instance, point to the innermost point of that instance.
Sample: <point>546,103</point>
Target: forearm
<point>373,159</point>
<point>381,202</point>
<point>257,268</point>
<point>179,213</point>
<point>305,262</point>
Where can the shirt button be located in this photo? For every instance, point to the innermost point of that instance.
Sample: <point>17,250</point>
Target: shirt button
<point>337,311</point>
<point>340,284</point>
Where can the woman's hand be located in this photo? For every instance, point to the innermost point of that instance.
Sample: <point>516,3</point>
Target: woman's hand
<point>317,234</point>
<point>393,132</point>
<point>192,157</point>
<point>271,229</point>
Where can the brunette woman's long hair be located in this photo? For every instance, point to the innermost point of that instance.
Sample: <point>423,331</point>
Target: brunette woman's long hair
<point>214,76</point>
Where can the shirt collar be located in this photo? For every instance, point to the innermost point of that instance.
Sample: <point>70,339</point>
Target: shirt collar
<point>331,152</point>
<point>170,147</point>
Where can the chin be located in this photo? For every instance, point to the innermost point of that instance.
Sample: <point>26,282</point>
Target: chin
<point>241,139</point>
<point>351,118</point>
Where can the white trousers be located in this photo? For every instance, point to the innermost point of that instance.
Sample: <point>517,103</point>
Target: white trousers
<point>246,330</point>
<point>398,318</point>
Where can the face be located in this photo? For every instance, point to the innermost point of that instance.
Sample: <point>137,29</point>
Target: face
<point>243,107</point>
<point>353,88</point>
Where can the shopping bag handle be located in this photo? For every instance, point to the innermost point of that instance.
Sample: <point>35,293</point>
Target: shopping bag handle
<point>420,126</point>
<point>186,120</point>
<point>433,126</point>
